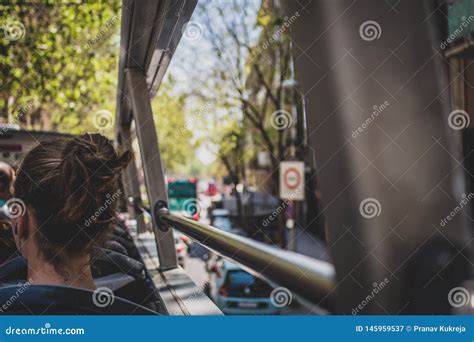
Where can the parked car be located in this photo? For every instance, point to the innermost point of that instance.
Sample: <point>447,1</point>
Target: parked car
<point>237,292</point>
<point>211,190</point>
<point>182,242</point>
<point>220,218</point>
<point>181,249</point>
<point>185,239</point>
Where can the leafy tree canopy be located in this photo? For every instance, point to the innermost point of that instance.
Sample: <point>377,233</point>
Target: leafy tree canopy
<point>58,72</point>
<point>59,62</point>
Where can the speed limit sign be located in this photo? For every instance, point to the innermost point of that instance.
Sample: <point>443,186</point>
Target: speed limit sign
<point>292,180</point>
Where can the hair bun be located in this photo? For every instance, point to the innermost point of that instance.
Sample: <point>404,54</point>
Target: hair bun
<point>90,168</point>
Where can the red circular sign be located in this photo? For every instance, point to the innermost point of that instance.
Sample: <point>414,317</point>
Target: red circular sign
<point>292,178</point>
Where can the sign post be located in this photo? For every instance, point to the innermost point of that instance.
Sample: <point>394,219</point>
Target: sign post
<point>292,180</point>
<point>291,190</point>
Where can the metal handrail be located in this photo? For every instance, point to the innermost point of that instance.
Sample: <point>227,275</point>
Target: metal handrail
<point>310,279</point>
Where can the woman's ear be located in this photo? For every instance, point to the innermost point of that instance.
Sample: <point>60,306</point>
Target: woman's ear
<point>23,226</point>
<point>20,227</point>
<point>12,182</point>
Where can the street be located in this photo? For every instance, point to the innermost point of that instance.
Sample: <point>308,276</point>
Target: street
<point>306,243</point>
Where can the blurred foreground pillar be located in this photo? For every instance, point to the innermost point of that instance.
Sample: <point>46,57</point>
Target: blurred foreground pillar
<point>377,104</point>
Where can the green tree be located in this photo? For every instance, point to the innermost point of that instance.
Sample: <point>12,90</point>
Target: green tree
<point>174,133</point>
<point>250,74</point>
<point>232,150</point>
<point>58,63</point>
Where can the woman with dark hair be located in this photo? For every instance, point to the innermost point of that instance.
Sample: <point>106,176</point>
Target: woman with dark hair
<point>7,176</point>
<point>69,187</point>
<point>7,246</point>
